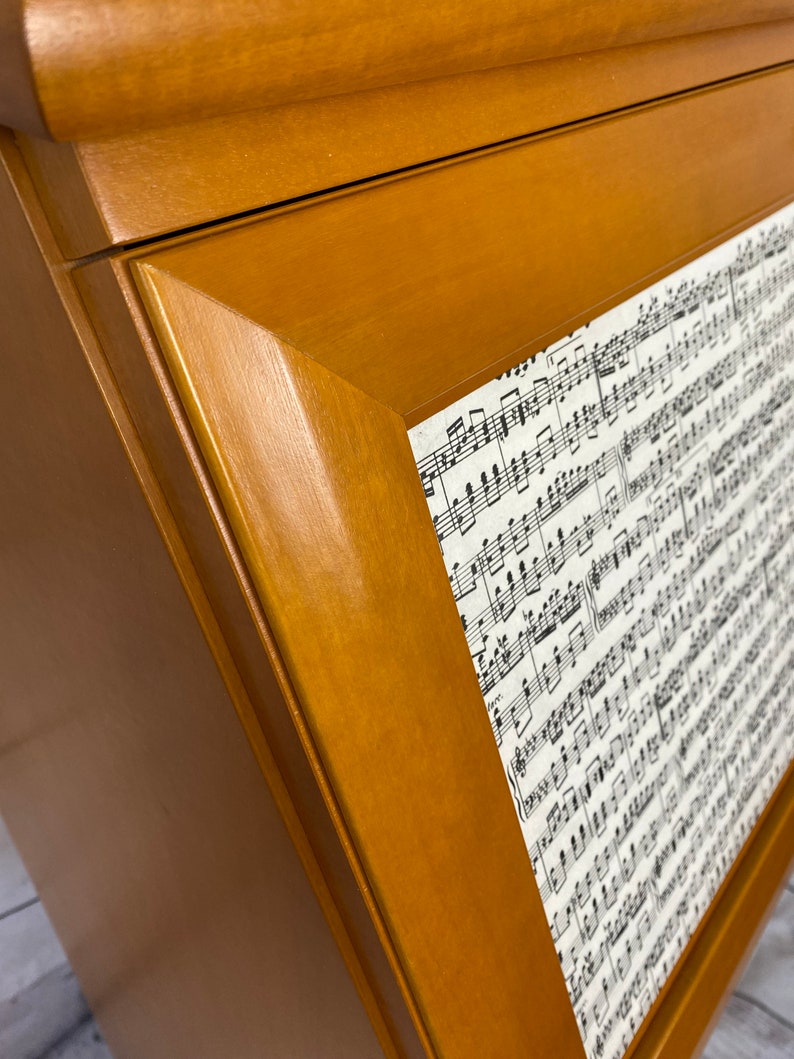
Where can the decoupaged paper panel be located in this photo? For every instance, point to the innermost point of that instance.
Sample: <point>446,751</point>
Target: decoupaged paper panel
<point>616,518</point>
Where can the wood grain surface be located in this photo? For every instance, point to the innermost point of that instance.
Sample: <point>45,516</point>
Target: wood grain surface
<point>101,192</point>
<point>421,287</point>
<point>154,832</point>
<point>301,345</point>
<point>225,602</point>
<point>131,64</point>
<point>313,685</point>
<point>330,516</point>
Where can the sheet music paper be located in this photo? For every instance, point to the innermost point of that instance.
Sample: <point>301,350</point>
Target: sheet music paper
<point>616,518</point>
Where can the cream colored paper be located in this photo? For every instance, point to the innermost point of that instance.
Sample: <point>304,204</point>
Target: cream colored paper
<point>616,518</point>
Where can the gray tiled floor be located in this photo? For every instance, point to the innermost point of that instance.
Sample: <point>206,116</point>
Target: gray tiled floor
<point>84,1042</point>
<point>42,1012</point>
<point>758,1022</point>
<point>43,1015</point>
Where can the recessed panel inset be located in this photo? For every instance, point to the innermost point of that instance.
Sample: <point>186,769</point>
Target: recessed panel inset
<point>617,519</point>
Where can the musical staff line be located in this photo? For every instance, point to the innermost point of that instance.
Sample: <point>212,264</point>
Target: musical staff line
<point>616,516</point>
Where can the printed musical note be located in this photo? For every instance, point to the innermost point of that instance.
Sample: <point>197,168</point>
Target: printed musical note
<point>617,519</point>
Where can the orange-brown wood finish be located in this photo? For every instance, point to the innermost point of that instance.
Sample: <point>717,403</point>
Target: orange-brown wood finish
<point>17,90</point>
<point>99,193</point>
<point>433,292</point>
<point>177,880</point>
<point>232,617</point>
<point>308,355</point>
<point>397,722</point>
<point>139,65</point>
<point>272,806</point>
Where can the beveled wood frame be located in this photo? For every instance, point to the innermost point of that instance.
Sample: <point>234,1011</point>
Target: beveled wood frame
<point>301,347</point>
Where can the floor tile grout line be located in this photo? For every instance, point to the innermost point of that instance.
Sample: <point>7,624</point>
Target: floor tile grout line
<point>765,1008</point>
<point>67,1034</point>
<point>19,908</point>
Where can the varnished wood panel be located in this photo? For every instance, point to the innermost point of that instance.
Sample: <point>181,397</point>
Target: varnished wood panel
<point>396,730</point>
<point>229,611</point>
<point>146,64</point>
<point>126,778</point>
<point>301,345</point>
<point>341,322</point>
<point>100,192</point>
<point>418,288</point>
<point>17,90</point>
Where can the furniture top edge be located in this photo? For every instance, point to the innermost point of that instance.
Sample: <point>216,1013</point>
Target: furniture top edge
<point>73,70</point>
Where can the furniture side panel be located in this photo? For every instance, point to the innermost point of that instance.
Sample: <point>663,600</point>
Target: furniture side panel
<point>240,631</point>
<point>125,776</point>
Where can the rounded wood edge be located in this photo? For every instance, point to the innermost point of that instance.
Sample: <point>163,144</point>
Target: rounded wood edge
<point>19,103</point>
<point>77,72</point>
<point>97,193</point>
<point>126,335</point>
